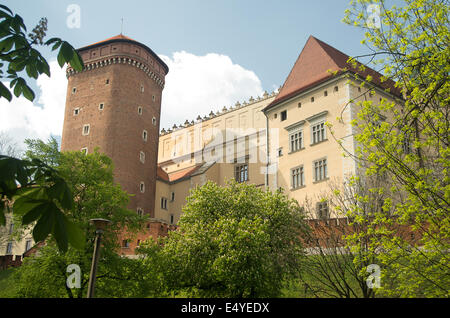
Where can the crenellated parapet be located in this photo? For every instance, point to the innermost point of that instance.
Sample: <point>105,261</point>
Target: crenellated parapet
<point>120,60</point>
<point>222,112</point>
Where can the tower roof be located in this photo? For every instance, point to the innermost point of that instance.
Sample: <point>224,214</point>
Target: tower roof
<point>313,67</point>
<point>124,38</point>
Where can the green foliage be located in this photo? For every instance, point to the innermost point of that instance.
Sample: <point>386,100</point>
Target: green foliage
<point>39,194</point>
<point>90,181</point>
<point>234,241</point>
<point>407,143</point>
<point>17,54</point>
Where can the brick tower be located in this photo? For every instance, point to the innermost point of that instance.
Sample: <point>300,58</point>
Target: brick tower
<point>115,104</point>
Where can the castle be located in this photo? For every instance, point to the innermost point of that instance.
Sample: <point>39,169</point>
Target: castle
<point>278,140</point>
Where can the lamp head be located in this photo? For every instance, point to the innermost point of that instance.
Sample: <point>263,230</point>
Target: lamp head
<point>100,224</point>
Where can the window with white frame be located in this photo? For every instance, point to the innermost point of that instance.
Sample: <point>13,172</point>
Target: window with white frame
<point>86,129</point>
<point>163,203</point>
<point>84,150</point>
<point>28,245</point>
<point>322,210</point>
<point>320,169</point>
<point>296,140</point>
<point>144,135</point>
<point>139,110</point>
<point>241,173</point>
<point>101,106</point>
<point>76,111</point>
<point>142,156</point>
<point>142,187</point>
<point>9,248</point>
<point>154,121</point>
<point>297,177</point>
<point>140,211</point>
<point>318,132</point>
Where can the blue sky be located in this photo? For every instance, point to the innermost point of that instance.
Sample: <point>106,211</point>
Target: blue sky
<point>218,51</point>
<point>263,36</point>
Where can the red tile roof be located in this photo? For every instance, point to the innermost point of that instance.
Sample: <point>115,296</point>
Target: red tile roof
<point>176,176</point>
<point>313,66</point>
<point>117,37</point>
<point>125,38</point>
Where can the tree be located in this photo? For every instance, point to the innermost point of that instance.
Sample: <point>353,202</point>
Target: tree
<point>339,248</point>
<point>38,192</point>
<point>234,241</point>
<point>408,143</point>
<point>90,179</point>
<point>7,146</point>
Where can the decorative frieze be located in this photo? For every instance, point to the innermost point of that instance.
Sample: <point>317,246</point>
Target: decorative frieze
<point>118,60</point>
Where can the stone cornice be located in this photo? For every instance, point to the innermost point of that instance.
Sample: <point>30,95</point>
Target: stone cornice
<point>119,60</point>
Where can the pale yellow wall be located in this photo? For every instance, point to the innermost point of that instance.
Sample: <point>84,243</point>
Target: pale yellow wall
<point>339,115</point>
<point>18,246</point>
<point>184,141</point>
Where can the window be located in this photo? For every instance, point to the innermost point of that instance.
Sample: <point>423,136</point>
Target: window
<point>164,203</point>
<point>11,228</point>
<point>172,196</point>
<point>320,170</point>
<point>138,243</point>
<point>241,173</point>
<point>153,97</point>
<point>142,187</point>
<point>140,110</point>
<point>297,177</point>
<point>171,219</point>
<point>74,90</point>
<point>280,152</point>
<point>154,121</point>
<point>9,248</point>
<point>142,156</point>
<point>84,150</point>
<point>275,116</point>
<point>86,129</point>
<point>406,145</point>
<point>142,88</point>
<point>125,244</point>
<point>144,135</point>
<point>299,105</point>
<point>318,132</point>
<point>336,88</point>
<point>76,111</point>
<point>140,211</point>
<point>101,106</point>
<point>283,115</point>
<point>322,210</point>
<point>296,140</point>
<point>107,81</point>
<point>325,93</point>
<point>312,99</point>
<point>27,245</point>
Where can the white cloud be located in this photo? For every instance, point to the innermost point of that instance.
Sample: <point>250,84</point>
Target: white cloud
<point>196,85</point>
<point>21,119</point>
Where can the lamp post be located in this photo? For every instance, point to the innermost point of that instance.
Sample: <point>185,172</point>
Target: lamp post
<point>100,225</point>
